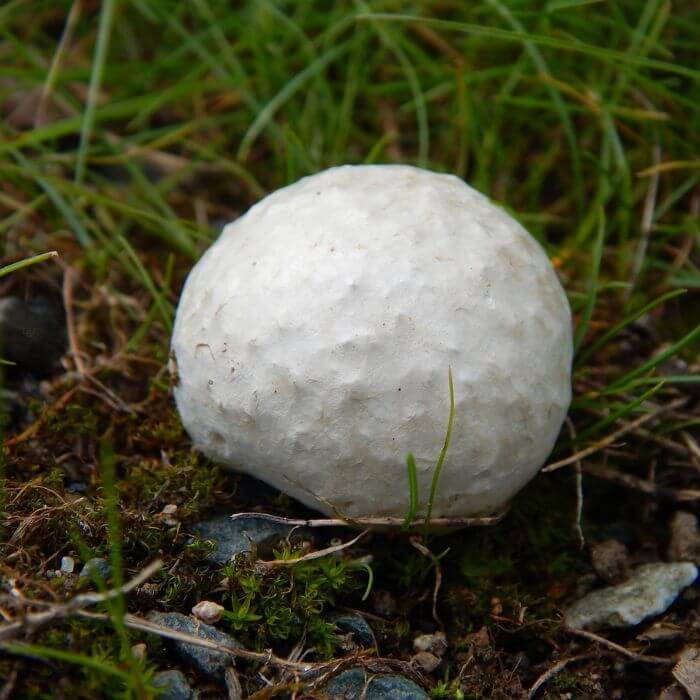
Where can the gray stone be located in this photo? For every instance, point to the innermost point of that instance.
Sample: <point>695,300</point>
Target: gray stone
<point>93,566</point>
<point>357,626</point>
<point>32,333</point>
<point>210,663</point>
<point>649,591</point>
<point>355,683</point>
<point>173,685</point>
<point>236,536</point>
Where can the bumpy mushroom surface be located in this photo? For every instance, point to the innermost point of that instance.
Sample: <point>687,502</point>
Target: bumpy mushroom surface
<point>313,340</point>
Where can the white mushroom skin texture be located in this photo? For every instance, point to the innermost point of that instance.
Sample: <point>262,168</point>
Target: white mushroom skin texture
<point>313,340</point>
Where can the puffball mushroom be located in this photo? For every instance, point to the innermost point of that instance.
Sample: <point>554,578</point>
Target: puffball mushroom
<point>313,340</point>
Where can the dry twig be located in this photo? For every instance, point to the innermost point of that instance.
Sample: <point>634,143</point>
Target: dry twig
<point>632,655</point>
<point>645,486</point>
<point>415,541</point>
<point>610,439</point>
<point>311,555</point>
<point>550,673</point>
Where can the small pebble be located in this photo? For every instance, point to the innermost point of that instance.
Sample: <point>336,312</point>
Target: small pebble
<point>67,565</point>
<point>138,651</point>
<point>168,515</point>
<point>434,643</point>
<point>208,611</point>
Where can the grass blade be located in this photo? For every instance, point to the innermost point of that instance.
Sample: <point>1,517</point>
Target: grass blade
<point>443,452</point>
<point>102,46</point>
<point>412,490</point>
<point>20,264</point>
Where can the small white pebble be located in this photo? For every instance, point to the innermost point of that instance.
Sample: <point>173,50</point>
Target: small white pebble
<point>208,611</point>
<point>168,514</point>
<point>434,643</point>
<point>67,565</point>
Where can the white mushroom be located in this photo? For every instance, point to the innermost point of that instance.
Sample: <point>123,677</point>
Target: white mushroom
<point>313,342</point>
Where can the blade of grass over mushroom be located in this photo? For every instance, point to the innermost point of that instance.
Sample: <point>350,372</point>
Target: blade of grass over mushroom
<point>107,11</point>
<point>607,55</point>
<point>443,452</point>
<point>412,490</point>
<point>26,262</point>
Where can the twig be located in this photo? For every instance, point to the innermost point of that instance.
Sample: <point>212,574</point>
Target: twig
<point>693,447</point>
<point>648,487</point>
<point>143,625</point>
<point>415,541</point>
<point>550,673</point>
<point>579,488</point>
<point>610,439</point>
<point>33,621</point>
<point>233,685</point>
<point>656,660</point>
<point>388,521</point>
<point>311,555</point>
<point>70,320</point>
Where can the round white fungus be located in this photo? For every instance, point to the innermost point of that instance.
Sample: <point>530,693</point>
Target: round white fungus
<point>313,341</point>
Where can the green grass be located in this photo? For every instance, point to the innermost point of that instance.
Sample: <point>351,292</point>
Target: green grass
<point>165,119</point>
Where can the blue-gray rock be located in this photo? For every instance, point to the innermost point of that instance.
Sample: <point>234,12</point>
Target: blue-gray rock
<point>351,684</point>
<point>235,536</point>
<point>210,663</point>
<point>32,333</point>
<point>93,566</point>
<point>649,591</point>
<point>173,686</point>
<point>357,626</point>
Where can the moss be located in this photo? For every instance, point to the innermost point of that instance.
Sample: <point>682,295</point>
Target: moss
<point>285,603</point>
